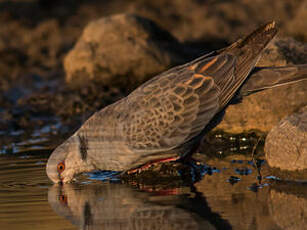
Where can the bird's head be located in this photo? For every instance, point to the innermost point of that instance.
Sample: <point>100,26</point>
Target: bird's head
<point>65,161</point>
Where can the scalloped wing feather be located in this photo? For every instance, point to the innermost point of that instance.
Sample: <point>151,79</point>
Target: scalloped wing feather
<point>175,107</point>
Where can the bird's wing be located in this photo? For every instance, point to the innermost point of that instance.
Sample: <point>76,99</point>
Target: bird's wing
<point>174,107</point>
<point>247,52</point>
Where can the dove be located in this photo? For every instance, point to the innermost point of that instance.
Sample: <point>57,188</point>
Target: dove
<point>163,119</point>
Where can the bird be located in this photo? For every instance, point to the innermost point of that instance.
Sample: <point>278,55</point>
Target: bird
<point>163,119</point>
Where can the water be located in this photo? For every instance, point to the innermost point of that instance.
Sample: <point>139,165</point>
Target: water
<point>231,196</point>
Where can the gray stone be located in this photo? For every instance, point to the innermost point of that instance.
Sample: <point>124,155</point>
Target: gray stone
<point>121,49</point>
<point>286,144</point>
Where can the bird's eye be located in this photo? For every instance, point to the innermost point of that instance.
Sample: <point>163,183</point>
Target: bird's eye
<point>61,167</point>
<point>63,199</point>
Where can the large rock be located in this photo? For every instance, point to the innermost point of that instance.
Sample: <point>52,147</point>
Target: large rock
<point>286,144</point>
<point>263,110</point>
<point>121,49</point>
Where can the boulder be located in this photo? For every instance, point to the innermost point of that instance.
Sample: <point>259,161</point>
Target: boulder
<point>286,143</point>
<point>121,50</point>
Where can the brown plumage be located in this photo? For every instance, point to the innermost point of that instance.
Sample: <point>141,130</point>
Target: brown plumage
<point>164,117</point>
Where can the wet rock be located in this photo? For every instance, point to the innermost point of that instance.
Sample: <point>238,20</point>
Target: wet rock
<point>121,49</point>
<point>263,110</point>
<point>286,144</point>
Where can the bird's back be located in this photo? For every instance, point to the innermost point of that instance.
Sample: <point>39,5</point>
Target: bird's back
<point>168,112</point>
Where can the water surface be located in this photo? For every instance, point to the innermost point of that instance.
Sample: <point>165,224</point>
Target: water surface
<point>231,196</point>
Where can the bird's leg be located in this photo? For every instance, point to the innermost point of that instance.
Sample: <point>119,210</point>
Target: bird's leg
<point>188,159</point>
<point>151,163</point>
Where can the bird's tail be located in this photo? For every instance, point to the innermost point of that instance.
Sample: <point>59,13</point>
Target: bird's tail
<point>270,77</point>
<point>247,52</point>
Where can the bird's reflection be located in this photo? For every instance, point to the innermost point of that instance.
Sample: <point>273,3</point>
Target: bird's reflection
<point>214,202</point>
<point>118,206</point>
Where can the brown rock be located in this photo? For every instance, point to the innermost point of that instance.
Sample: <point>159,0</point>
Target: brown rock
<point>121,49</point>
<point>263,110</point>
<point>286,144</point>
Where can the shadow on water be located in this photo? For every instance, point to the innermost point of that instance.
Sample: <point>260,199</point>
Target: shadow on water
<point>228,194</point>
